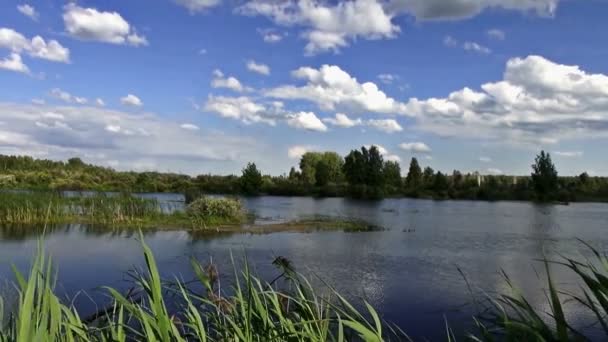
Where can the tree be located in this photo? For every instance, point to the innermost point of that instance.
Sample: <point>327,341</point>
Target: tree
<point>544,177</point>
<point>414,175</point>
<point>293,174</point>
<point>322,173</point>
<point>308,167</point>
<point>392,173</point>
<point>375,164</point>
<point>75,162</point>
<point>428,176</point>
<point>251,180</point>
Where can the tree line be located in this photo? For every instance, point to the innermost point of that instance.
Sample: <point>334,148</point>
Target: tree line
<point>362,173</point>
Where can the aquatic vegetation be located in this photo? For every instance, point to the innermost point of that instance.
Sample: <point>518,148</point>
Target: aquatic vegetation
<point>205,208</point>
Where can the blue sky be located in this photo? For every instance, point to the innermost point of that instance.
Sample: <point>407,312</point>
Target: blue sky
<point>200,86</point>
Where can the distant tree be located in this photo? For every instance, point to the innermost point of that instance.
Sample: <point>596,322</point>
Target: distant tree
<point>392,173</point>
<point>428,176</point>
<point>544,177</point>
<point>308,167</point>
<point>440,182</point>
<point>414,175</point>
<point>354,167</point>
<point>334,163</point>
<point>322,173</point>
<point>293,174</point>
<point>75,162</point>
<point>251,180</point>
<point>375,164</point>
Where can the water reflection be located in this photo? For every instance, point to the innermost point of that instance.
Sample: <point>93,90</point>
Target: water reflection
<point>409,271</point>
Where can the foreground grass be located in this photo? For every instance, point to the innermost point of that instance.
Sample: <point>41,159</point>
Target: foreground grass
<point>255,310</point>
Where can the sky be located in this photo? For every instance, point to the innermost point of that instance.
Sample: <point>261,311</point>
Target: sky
<point>205,86</point>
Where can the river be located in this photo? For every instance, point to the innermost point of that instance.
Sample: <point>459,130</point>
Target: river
<point>409,270</point>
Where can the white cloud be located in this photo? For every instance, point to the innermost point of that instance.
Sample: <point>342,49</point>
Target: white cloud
<point>330,87</point>
<point>61,132</point>
<point>485,159</point>
<point>475,47</point>
<point>306,120</point>
<point>297,151</point>
<point>496,34</point>
<point>416,147</point>
<point>450,41</point>
<point>36,47</point>
<point>494,171</point>
<point>202,51</point>
<point>569,154</point>
<point>259,68</point>
<point>131,100</point>
<point>38,101</point>
<point>220,81</point>
<point>195,6</point>
<point>189,126</point>
<point>461,9</point>
<point>67,97</point>
<point>28,11</point>
<point>99,102</point>
<point>327,27</point>
<point>385,125</point>
<point>271,35</point>
<point>241,108</point>
<point>538,101</point>
<point>14,63</point>
<point>342,120</point>
<point>92,24</point>
<point>388,78</point>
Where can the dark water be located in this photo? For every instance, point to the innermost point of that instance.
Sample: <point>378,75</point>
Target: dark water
<point>409,271</point>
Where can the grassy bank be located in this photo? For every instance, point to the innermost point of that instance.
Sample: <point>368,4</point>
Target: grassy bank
<point>287,308</point>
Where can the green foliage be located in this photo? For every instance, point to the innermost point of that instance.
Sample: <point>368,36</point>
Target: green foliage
<point>251,180</point>
<point>206,208</point>
<point>544,177</point>
<point>414,175</point>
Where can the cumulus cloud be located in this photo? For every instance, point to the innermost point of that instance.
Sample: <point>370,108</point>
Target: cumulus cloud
<point>342,120</point>
<point>416,147</point>
<point>271,36</point>
<point>242,108</point>
<point>131,100</point>
<point>297,151</point>
<point>385,153</point>
<point>450,41</point>
<point>385,125</point>
<point>485,159</point>
<point>494,171</point>
<point>61,132</point>
<point>306,120</point>
<point>331,87</point>
<point>28,11</point>
<point>36,47</point>
<point>259,68</point>
<point>67,97</point>
<point>99,102</point>
<point>189,127</point>
<point>327,27</point>
<point>92,24</point>
<point>221,81</point>
<point>388,78</point>
<point>496,34</point>
<point>462,9</point>
<point>195,6</point>
<point>569,154</point>
<point>14,63</point>
<point>538,101</point>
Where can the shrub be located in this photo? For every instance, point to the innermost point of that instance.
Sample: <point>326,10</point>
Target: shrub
<point>206,208</point>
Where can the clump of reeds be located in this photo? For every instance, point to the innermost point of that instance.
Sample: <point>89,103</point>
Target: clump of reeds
<point>208,209</point>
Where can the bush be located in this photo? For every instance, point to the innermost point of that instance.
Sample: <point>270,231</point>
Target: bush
<point>206,208</point>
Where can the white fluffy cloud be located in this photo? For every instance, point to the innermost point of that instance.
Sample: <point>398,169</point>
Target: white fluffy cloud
<point>259,68</point>
<point>297,151</point>
<point>416,147</point>
<point>538,101</point>
<point>221,81</point>
<point>131,100</point>
<point>385,125</point>
<point>270,35</point>
<point>14,63</point>
<point>476,47</point>
<point>92,24</point>
<point>189,127</point>
<point>342,120</point>
<point>328,27</point>
<point>241,108</point>
<point>67,97</point>
<point>36,47</point>
<point>195,6</point>
<point>385,153</point>
<point>28,11</point>
<point>306,120</point>
<point>460,9</point>
<point>61,132</point>
<point>99,102</point>
<point>496,34</point>
<point>330,87</point>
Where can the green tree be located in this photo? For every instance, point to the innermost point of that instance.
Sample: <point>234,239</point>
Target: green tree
<point>322,173</point>
<point>375,164</point>
<point>251,180</point>
<point>428,176</point>
<point>392,173</point>
<point>414,175</point>
<point>308,167</point>
<point>544,177</point>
